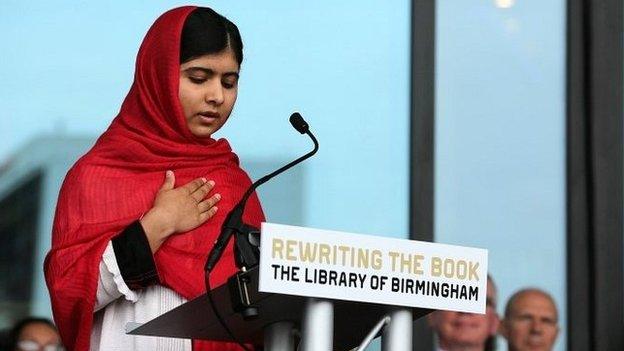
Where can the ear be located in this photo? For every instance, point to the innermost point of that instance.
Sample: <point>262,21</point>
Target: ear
<point>495,323</point>
<point>502,329</point>
<point>431,319</point>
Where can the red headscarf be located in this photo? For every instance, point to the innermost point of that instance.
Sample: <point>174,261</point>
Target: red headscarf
<point>117,180</point>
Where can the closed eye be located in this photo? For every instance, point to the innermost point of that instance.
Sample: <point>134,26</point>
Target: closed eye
<point>196,80</point>
<point>230,80</point>
<point>229,85</point>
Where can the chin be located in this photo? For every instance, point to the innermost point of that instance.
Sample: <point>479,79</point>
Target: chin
<point>202,131</point>
<point>203,136</point>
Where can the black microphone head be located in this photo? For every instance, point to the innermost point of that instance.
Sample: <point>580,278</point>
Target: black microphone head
<point>299,123</point>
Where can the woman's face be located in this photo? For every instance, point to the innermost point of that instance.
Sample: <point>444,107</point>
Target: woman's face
<point>208,90</point>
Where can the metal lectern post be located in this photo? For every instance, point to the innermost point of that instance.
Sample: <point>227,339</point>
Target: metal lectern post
<point>318,325</point>
<point>397,336</point>
<point>279,337</point>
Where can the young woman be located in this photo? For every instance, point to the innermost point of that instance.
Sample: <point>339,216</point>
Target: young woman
<point>139,212</point>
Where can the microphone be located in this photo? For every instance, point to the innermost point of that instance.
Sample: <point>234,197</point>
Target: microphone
<point>298,123</point>
<point>234,220</point>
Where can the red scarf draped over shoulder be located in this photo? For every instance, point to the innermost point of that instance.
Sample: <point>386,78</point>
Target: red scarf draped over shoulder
<point>117,180</point>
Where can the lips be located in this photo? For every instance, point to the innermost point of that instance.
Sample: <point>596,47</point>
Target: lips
<point>208,116</point>
<point>535,341</point>
<point>464,324</point>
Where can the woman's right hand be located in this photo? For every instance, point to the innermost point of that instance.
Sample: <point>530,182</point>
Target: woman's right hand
<point>178,210</point>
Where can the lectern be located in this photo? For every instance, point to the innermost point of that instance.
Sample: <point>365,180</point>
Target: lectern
<point>333,291</point>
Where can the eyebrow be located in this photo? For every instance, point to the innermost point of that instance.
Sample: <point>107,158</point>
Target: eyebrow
<point>209,71</point>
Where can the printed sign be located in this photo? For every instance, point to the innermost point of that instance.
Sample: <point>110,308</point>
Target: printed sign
<point>353,267</point>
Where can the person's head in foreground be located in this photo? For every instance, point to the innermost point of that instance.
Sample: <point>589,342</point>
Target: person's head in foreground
<point>34,334</point>
<point>466,331</point>
<point>531,321</point>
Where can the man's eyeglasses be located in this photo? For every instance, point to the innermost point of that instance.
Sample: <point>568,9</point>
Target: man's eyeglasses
<point>31,345</point>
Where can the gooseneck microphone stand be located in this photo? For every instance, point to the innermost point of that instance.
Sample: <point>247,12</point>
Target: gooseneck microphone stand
<point>246,240</point>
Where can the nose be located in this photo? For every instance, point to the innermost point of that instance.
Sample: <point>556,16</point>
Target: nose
<point>214,93</point>
<point>537,327</point>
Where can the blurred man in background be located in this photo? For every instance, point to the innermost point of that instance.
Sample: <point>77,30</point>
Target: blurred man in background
<point>531,321</point>
<point>458,331</point>
<point>34,334</point>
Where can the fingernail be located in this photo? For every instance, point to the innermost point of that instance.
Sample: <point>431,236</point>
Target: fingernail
<point>218,196</point>
<point>204,180</point>
<point>212,183</point>
<point>215,208</point>
<point>168,173</point>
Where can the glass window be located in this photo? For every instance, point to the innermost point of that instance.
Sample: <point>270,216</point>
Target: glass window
<point>500,140</point>
<point>345,66</point>
<point>17,236</point>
